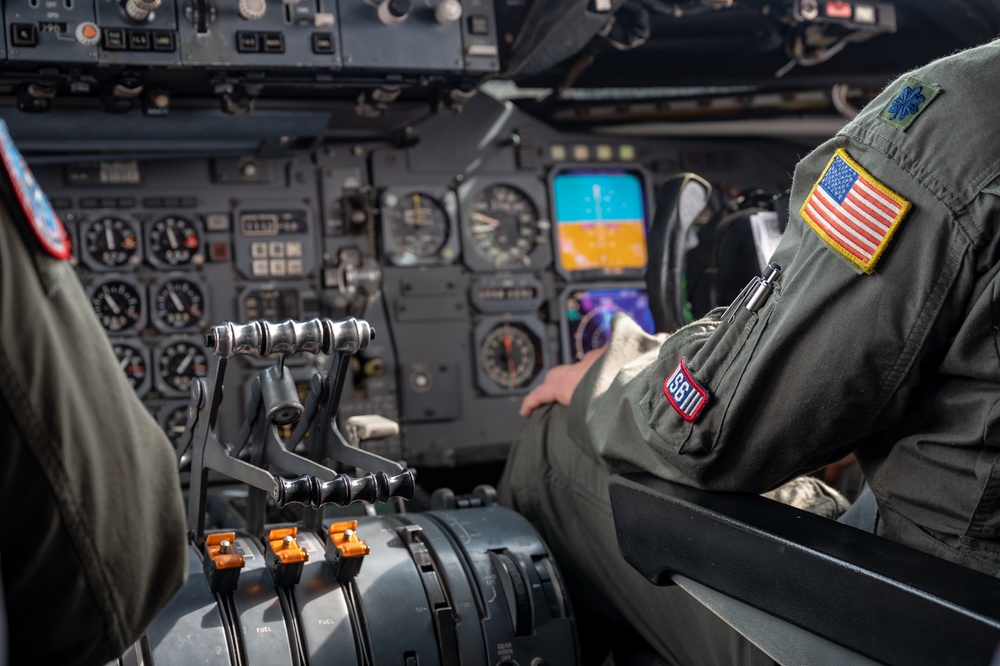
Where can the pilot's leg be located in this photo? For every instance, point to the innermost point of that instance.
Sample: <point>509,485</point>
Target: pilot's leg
<point>563,489</point>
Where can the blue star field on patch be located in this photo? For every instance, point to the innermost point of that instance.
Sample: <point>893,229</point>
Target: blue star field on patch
<point>911,99</point>
<point>839,180</point>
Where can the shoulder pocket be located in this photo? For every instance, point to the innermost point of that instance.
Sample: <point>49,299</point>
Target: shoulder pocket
<point>717,366</point>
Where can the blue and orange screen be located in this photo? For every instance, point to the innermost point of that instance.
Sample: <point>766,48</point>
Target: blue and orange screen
<point>600,221</point>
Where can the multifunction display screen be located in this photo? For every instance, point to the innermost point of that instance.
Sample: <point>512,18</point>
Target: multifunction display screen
<point>600,221</point>
<point>588,314</point>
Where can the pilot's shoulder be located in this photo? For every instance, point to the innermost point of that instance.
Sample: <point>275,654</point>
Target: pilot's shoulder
<point>938,123</point>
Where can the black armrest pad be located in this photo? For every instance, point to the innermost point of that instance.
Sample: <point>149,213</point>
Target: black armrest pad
<point>876,597</point>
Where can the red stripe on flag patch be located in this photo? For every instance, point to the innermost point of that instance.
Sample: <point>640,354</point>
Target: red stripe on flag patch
<point>853,212</point>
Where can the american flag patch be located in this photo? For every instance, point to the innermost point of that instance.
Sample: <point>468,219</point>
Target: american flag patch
<point>853,212</point>
<point>685,394</point>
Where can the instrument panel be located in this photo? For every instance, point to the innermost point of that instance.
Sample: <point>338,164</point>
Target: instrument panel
<point>478,268</point>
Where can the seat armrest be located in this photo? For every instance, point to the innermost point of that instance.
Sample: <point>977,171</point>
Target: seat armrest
<point>878,598</point>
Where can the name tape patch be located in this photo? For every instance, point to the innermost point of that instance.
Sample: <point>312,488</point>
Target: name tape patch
<point>43,220</point>
<point>853,212</point>
<point>685,394</point>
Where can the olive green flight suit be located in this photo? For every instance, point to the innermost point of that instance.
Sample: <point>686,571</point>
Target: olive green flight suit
<point>92,529</point>
<point>901,366</point>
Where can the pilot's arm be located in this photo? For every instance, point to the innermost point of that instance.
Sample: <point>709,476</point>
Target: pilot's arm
<point>879,335</point>
<point>92,532</point>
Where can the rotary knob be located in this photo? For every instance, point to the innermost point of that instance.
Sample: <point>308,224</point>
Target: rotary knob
<point>448,11</point>
<point>88,34</point>
<point>392,12</point>
<point>139,10</point>
<point>253,10</point>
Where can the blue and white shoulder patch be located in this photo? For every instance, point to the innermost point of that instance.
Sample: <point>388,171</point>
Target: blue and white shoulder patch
<point>43,220</point>
<point>686,395</point>
<point>910,100</point>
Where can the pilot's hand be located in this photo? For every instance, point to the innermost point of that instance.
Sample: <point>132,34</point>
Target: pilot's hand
<point>560,383</point>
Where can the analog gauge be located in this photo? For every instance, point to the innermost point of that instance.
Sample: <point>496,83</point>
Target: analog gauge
<point>111,242</point>
<point>118,306</point>
<point>173,420</point>
<point>511,356</point>
<point>178,305</point>
<point>174,241</point>
<point>417,224</point>
<point>179,364</point>
<point>132,363</point>
<point>504,225</point>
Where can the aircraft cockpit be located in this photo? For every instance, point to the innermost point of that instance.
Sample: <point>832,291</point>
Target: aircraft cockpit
<point>361,231</point>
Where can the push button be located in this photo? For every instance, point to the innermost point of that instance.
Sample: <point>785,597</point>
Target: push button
<point>23,34</point>
<point>322,43</point>
<point>138,40</point>
<point>247,42</point>
<point>114,39</point>
<point>163,40</point>
<point>272,42</point>
<point>479,25</point>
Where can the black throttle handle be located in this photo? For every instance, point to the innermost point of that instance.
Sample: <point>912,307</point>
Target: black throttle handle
<point>343,489</point>
<point>401,484</point>
<point>300,490</point>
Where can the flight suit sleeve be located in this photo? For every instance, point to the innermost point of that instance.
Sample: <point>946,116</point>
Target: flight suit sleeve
<point>825,365</point>
<point>92,531</point>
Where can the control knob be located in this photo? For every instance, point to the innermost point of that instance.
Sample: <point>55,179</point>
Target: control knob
<point>392,12</point>
<point>88,34</point>
<point>139,10</point>
<point>253,10</point>
<point>448,11</point>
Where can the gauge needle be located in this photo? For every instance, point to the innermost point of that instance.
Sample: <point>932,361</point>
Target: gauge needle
<point>111,303</point>
<point>492,222</point>
<point>416,209</point>
<point>183,365</point>
<point>109,237</point>
<point>124,363</point>
<point>174,298</point>
<point>508,347</point>
<point>172,237</point>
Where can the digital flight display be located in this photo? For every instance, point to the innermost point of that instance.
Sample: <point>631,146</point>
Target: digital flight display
<point>600,221</point>
<point>588,314</point>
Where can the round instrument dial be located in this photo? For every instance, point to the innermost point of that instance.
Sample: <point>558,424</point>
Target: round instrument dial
<point>132,363</point>
<point>174,241</point>
<point>417,224</point>
<point>511,356</point>
<point>118,306</point>
<point>111,242</point>
<point>178,305</point>
<point>179,364</point>
<point>504,225</point>
<point>173,420</point>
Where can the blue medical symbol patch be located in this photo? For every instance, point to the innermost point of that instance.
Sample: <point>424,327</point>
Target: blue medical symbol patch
<point>686,395</point>
<point>44,222</point>
<point>910,100</point>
